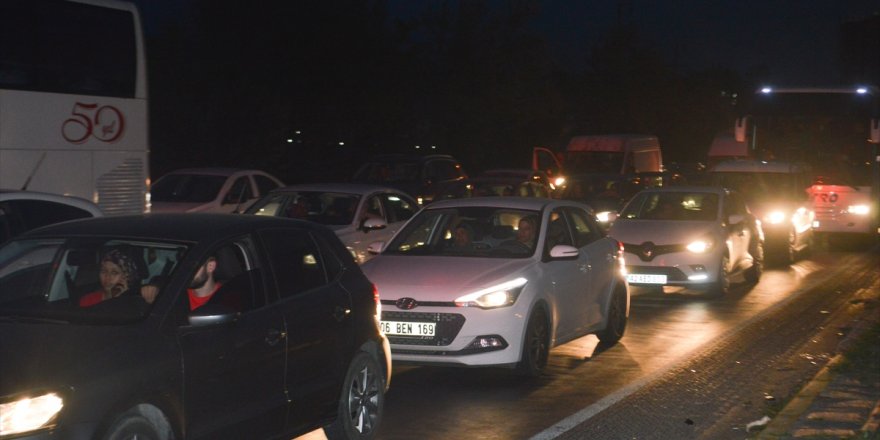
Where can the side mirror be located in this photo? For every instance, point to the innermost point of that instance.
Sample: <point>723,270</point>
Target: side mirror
<point>563,252</point>
<point>735,219</point>
<point>376,247</point>
<point>371,223</point>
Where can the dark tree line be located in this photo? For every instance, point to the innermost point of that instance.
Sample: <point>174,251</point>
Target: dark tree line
<point>232,82</point>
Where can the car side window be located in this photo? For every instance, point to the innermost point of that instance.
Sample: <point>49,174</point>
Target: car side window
<point>297,264</point>
<point>584,227</point>
<point>240,279</point>
<point>373,208</point>
<point>398,208</point>
<point>240,191</point>
<point>264,184</point>
<point>557,230</point>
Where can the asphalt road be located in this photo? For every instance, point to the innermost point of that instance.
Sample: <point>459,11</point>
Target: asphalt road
<point>688,366</point>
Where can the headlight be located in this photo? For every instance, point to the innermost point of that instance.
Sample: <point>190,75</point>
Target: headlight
<point>858,209</point>
<point>699,246</point>
<point>501,295</point>
<point>603,216</point>
<point>559,181</point>
<point>775,217</point>
<point>29,413</point>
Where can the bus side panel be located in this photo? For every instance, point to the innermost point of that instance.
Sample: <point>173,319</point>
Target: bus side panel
<point>94,147</point>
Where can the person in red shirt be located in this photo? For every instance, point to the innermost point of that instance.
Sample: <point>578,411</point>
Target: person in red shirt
<point>203,285</point>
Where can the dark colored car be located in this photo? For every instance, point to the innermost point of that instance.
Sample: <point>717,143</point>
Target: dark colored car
<point>418,176</point>
<point>289,342</point>
<point>485,186</point>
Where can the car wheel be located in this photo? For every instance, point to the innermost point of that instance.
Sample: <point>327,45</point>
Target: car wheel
<point>536,345</point>
<point>616,320</point>
<point>362,401</point>
<point>136,426</point>
<point>753,274</point>
<point>722,284</point>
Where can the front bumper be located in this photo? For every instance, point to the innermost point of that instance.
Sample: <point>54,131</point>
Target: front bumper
<point>460,336</point>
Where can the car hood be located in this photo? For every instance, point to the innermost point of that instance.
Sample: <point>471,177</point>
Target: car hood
<point>440,278</point>
<point>60,356</point>
<point>660,232</point>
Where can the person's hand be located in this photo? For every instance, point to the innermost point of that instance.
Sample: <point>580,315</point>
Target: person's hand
<point>149,292</point>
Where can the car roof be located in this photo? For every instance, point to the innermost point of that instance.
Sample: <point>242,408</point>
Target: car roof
<point>529,203</point>
<point>353,188</point>
<point>409,157</point>
<point>174,227</point>
<point>756,166</point>
<point>77,202</point>
<point>687,188</point>
<point>216,171</point>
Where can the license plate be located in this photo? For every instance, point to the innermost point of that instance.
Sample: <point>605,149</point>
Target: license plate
<point>402,328</point>
<point>638,278</point>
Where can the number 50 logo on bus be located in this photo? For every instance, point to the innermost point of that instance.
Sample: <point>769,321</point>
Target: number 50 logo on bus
<point>105,123</point>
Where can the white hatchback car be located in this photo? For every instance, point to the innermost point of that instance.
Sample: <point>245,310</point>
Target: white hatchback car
<point>498,281</point>
<point>217,190</point>
<point>21,211</point>
<point>359,214</point>
<point>691,237</point>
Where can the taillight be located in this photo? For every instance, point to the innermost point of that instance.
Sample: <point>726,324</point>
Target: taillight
<point>378,302</point>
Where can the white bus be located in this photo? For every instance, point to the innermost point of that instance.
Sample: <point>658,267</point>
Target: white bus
<point>73,101</point>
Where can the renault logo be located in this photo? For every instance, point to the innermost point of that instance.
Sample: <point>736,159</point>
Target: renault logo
<point>406,303</point>
<point>647,251</point>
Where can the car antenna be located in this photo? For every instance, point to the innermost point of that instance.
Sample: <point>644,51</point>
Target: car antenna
<point>34,171</point>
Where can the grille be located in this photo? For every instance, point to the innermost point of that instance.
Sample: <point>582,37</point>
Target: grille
<point>642,250</point>
<point>448,326</point>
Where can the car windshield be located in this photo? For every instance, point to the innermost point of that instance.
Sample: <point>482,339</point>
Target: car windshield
<point>195,188</point>
<point>846,173</point>
<point>698,206</point>
<point>388,172</point>
<point>469,232</point>
<point>760,187</point>
<point>326,208</point>
<point>83,280</point>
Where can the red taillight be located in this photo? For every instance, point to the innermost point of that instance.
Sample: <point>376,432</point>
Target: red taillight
<point>377,300</point>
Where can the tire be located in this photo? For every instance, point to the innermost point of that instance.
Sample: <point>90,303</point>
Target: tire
<point>616,320</point>
<point>536,345</point>
<point>135,426</point>
<point>721,286</point>
<point>753,273</point>
<point>362,401</point>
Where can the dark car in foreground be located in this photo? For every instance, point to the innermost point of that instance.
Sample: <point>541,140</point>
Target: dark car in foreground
<point>288,343</point>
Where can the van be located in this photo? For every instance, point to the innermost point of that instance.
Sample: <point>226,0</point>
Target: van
<point>607,153</point>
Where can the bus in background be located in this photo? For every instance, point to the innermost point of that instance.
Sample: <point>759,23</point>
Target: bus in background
<point>836,132</point>
<point>73,101</point>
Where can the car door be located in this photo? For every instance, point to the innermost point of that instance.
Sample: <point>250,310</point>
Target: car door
<point>317,311</point>
<point>600,256</point>
<point>570,278</point>
<point>234,369</point>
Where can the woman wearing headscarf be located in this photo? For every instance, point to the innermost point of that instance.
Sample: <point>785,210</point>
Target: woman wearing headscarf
<point>118,274</point>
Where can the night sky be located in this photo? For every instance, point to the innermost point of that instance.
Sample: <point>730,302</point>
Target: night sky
<point>222,76</point>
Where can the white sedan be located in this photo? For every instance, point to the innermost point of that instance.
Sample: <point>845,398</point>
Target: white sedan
<point>359,213</point>
<point>498,281</point>
<point>689,236</point>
